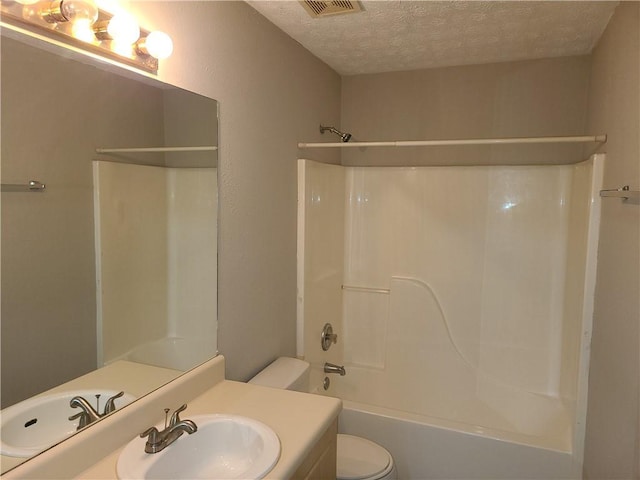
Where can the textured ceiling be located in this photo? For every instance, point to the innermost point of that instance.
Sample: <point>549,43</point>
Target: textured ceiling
<point>397,35</point>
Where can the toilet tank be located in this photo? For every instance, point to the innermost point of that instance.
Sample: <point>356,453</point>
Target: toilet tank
<point>286,373</point>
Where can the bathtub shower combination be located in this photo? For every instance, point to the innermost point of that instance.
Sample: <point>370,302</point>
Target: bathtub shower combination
<point>462,299</point>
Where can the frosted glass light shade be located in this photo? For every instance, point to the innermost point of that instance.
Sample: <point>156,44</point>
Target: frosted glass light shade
<point>124,29</point>
<point>159,45</point>
<point>27,2</point>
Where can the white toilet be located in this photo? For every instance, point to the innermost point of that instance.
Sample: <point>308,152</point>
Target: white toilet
<point>358,458</point>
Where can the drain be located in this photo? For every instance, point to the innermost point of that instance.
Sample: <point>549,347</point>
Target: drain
<point>33,421</point>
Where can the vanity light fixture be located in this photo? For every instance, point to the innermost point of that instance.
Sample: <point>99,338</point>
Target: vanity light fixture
<point>82,24</point>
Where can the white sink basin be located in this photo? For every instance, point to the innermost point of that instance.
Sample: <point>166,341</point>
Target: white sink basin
<point>31,426</point>
<point>224,447</point>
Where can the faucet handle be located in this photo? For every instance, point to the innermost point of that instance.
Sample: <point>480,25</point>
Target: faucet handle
<point>155,442</point>
<point>84,419</point>
<point>110,406</point>
<point>152,433</point>
<point>175,418</point>
<point>77,415</point>
<point>328,337</point>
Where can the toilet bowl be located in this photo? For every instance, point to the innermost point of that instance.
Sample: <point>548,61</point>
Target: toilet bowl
<point>358,458</point>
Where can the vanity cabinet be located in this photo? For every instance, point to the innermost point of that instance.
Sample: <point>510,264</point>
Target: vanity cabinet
<point>320,464</point>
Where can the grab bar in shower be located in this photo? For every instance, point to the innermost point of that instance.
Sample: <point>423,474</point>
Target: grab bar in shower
<point>31,186</point>
<point>354,288</point>
<point>623,192</point>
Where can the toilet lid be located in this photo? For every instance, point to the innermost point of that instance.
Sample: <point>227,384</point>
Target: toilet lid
<point>359,458</point>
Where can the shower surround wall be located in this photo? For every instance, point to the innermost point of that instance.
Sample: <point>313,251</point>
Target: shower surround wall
<point>158,226</point>
<point>475,311</point>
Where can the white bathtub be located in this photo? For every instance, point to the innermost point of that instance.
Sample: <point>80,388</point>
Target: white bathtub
<point>427,447</point>
<point>430,448</point>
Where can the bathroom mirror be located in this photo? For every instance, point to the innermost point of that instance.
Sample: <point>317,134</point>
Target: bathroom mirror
<point>109,272</point>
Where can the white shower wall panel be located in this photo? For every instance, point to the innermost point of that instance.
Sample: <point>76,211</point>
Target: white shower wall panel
<point>389,231</point>
<point>192,236</point>
<point>524,276</point>
<point>131,226</point>
<point>320,256</point>
<point>491,244</point>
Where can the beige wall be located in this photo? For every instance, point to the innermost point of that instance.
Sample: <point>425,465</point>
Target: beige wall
<point>272,94</point>
<point>515,99</point>
<point>190,120</point>
<point>614,103</point>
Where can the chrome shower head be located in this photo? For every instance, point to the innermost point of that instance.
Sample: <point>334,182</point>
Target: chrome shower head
<point>344,136</point>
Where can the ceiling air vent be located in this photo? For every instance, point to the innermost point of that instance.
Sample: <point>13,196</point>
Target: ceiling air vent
<point>323,8</point>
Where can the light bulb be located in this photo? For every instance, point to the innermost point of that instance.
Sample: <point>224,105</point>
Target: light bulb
<point>82,30</point>
<point>158,45</point>
<point>124,29</point>
<point>77,10</point>
<point>70,11</point>
<point>28,2</point>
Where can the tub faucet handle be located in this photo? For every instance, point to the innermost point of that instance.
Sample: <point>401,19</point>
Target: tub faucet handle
<point>328,337</point>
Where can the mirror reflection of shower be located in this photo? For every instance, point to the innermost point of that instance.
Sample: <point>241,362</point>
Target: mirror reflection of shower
<point>345,137</point>
<point>164,237</point>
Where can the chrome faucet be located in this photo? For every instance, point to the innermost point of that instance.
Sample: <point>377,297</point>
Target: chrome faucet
<point>158,441</point>
<point>89,414</point>
<point>331,368</point>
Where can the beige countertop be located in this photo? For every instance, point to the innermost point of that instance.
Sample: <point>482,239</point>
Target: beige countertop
<point>134,378</point>
<point>299,420</point>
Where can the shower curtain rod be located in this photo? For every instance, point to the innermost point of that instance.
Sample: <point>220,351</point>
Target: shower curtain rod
<point>473,141</point>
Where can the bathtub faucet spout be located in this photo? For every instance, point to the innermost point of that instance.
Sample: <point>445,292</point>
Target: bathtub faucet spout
<point>331,368</point>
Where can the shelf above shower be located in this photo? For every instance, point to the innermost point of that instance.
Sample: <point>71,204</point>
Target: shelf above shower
<point>206,148</point>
